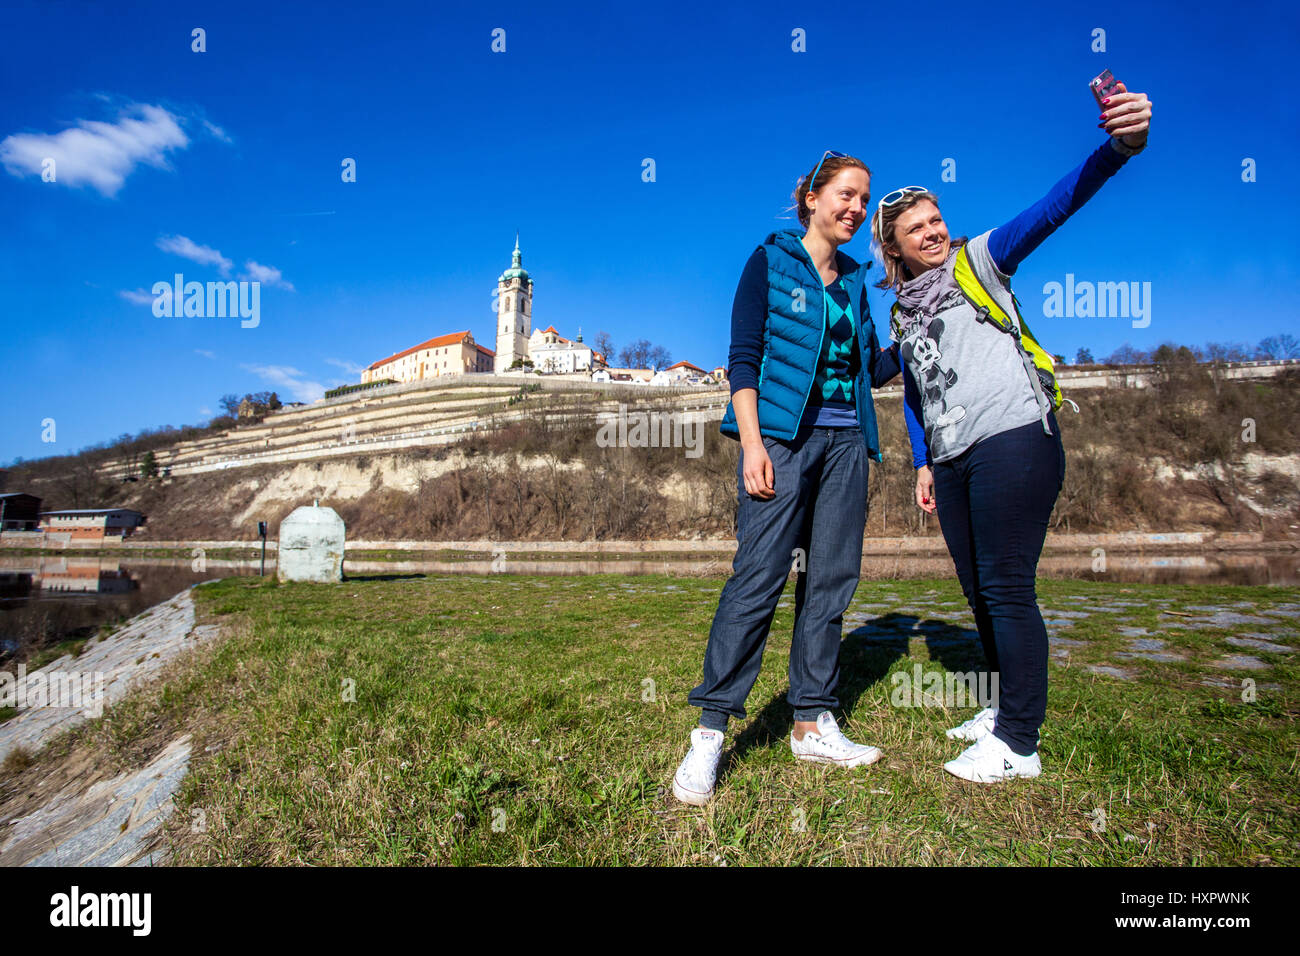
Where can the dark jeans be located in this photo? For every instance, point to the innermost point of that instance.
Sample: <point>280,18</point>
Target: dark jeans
<point>820,506</point>
<point>994,500</point>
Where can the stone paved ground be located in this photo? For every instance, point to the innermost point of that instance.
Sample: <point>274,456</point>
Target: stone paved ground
<point>1253,634</point>
<point>109,823</point>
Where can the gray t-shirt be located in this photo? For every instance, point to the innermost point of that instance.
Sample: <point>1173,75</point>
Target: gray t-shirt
<point>972,380</point>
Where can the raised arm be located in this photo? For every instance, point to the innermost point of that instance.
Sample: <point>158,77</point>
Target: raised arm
<point>1127,119</point>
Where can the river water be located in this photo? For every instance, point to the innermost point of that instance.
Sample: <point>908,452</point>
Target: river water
<point>46,599</point>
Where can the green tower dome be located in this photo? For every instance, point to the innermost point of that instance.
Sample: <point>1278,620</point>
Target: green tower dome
<point>516,270</point>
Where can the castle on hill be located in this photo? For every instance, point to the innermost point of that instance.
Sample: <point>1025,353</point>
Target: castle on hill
<point>518,346</point>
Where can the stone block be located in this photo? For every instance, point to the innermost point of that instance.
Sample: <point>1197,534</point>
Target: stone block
<point>311,545</point>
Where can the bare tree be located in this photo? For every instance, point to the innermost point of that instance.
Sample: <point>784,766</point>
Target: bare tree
<point>1282,346</point>
<point>1221,352</point>
<point>1127,355</point>
<point>489,478</point>
<point>558,491</point>
<point>80,482</point>
<point>636,354</point>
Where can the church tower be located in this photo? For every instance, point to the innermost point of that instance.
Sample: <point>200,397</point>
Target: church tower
<point>514,313</point>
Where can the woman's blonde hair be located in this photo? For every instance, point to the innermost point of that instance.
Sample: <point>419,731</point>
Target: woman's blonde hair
<point>882,233</point>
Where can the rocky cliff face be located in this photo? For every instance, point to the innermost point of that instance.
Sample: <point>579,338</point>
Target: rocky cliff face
<point>1180,454</point>
<point>522,496</point>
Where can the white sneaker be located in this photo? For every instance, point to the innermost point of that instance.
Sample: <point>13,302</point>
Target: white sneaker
<point>693,782</point>
<point>975,728</point>
<point>989,760</point>
<point>829,745</point>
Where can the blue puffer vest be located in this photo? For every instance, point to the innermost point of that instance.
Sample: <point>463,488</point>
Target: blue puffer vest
<point>792,341</point>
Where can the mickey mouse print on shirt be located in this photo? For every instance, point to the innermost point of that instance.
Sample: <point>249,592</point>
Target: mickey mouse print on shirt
<point>922,351</point>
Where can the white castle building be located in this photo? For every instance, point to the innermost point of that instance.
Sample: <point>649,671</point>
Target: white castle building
<point>456,353</point>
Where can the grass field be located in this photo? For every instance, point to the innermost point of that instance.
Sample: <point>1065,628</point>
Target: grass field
<point>523,720</point>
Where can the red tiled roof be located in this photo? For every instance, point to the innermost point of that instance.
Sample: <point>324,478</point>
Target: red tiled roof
<point>449,339</point>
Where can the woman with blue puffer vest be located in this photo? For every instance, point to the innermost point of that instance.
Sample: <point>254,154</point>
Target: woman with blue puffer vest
<point>804,358</point>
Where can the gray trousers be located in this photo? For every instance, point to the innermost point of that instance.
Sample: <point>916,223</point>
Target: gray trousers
<point>820,507</point>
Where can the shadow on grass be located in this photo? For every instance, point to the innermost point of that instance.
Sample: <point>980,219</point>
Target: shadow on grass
<point>866,655</point>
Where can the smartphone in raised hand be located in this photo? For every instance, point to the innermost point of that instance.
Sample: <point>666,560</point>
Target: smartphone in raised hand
<point>1102,86</point>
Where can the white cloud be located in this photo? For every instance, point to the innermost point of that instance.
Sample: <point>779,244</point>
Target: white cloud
<point>352,368</point>
<point>205,353</point>
<point>205,411</point>
<point>267,275</point>
<point>97,154</point>
<point>137,296</point>
<point>287,377</point>
<point>217,132</point>
<point>187,248</point>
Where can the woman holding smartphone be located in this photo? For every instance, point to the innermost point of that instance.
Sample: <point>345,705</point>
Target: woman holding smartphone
<point>989,457</point>
<point>804,357</point>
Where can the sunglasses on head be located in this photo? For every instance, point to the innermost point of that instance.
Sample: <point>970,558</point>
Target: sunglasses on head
<point>897,196</point>
<point>830,153</point>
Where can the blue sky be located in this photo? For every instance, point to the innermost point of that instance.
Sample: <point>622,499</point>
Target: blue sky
<point>226,165</point>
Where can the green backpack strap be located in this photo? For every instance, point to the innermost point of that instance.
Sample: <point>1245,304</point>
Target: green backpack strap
<point>1038,363</point>
<point>893,321</point>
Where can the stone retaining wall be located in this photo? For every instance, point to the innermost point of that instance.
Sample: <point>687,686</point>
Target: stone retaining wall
<point>1135,540</point>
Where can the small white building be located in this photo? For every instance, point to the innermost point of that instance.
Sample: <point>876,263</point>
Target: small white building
<point>635,376</point>
<point>684,371</point>
<point>679,373</point>
<point>552,353</point>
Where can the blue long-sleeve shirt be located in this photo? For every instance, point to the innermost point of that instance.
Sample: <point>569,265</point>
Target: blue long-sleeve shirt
<point>748,318</point>
<point>1011,243</point>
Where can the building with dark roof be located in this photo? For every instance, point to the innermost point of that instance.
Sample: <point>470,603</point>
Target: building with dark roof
<point>19,512</point>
